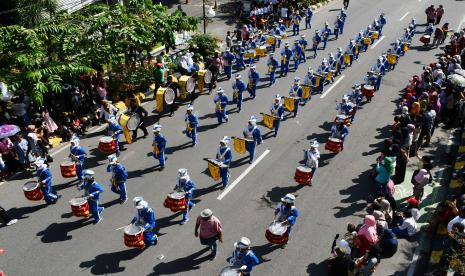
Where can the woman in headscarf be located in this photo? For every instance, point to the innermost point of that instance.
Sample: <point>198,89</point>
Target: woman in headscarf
<point>419,180</point>
<point>366,235</point>
<point>380,219</point>
<point>383,173</point>
<point>385,207</point>
<point>387,241</point>
<point>366,265</point>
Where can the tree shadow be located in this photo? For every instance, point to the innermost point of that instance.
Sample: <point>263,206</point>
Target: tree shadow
<point>277,193</point>
<point>58,232</point>
<point>357,195</point>
<point>110,262</point>
<point>184,264</point>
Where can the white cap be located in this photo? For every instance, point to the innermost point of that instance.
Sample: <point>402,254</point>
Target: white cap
<point>112,120</point>
<point>238,76</point>
<point>339,49</point>
<point>39,162</point>
<point>314,144</point>
<point>277,97</point>
<point>286,44</point>
<point>182,173</point>
<point>271,54</point>
<point>296,80</point>
<point>206,213</point>
<point>113,159</point>
<point>310,70</point>
<point>136,200</point>
<point>220,90</point>
<point>289,198</point>
<point>242,243</point>
<point>253,67</point>
<point>345,97</point>
<point>74,140</point>
<point>357,86</point>
<point>227,49</point>
<point>88,173</point>
<point>331,55</point>
<point>296,41</point>
<point>253,119</point>
<point>302,36</point>
<point>190,107</point>
<point>156,128</point>
<point>225,140</point>
<point>140,203</point>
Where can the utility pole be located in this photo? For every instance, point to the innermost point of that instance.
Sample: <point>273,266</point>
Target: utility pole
<point>204,18</point>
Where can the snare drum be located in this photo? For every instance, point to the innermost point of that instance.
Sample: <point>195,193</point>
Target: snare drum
<point>134,236</point>
<point>205,75</point>
<point>374,35</point>
<point>303,175</point>
<point>425,39</point>
<point>68,169</point>
<point>133,122</point>
<point>187,84</point>
<point>107,145</point>
<point>80,207</point>
<point>175,201</point>
<point>261,51</point>
<point>170,95</point>
<point>230,271</point>
<point>32,191</point>
<point>368,90</point>
<point>277,233</point>
<point>334,145</point>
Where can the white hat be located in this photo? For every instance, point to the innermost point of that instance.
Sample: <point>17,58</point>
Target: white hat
<point>357,86</point>
<point>141,204</point>
<point>227,49</point>
<point>238,76</point>
<point>310,70</point>
<point>331,55</point>
<point>271,54</point>
<point>89,173</point>
<point>286,44</point>
<point>206,213</point>
<point>277,97</point>
<point>225,140</point>
<point>136,200</point>
<point>220,90</point>
<point>183,173</point>
<point>156,128</point>
<point>339,49</point>
<point>296,80</point>
<point>253,67</point>
<point>74,140</point>
<point>113,159</point>
<point>112,120</point>
<point>39,162</point>
<point>314,144</point>
<point>190,107</point>
<point>289,198</point>
<point>253,119</point>
<point>340,118</point>
<point>302,36</point>
<point>345,97</point>
<point>296,41</point>
<point>242,243</point>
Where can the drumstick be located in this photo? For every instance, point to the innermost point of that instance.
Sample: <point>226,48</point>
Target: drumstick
<point>122,227</point>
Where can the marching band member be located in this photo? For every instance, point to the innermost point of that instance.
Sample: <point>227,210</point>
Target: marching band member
<point>303,45</point>
<point>192,122</point>
<point>346,107</point>
<point>286,212</point>
<point>309,80</point>
<point>221,101</point>
<point>92,190</point>
<point>118,178</point>
<point>296,92</point>
<point>311,157</point>
<point>272,66</point>
<point>379,66</point>
<point>356,95</point>
<point>261,39</point>
<point>339,130</point>
<point>398,49</point>
<point>323,70</point>
<point>371,79</point>
<point>278,33</point>
<point>352,51</point>
<point>332,62</point>
<point>251,45</point>
<point>159,145</point>
<point>297,53</point>
<point>340,60</point>
<point>44,177</point>
<point>429,29</point>
<point>224,156</point>
<point>228,60</point>
<point>286,55</point>
<point>252,132</point>
<point>254,77</point>
<point>382,22</point>
<point>296,18</point>
<point>343,16</point>
<point>326,33</point>
<point>186,185</point>
<point>316,42</point>
<point>413,26</point>
<point>116,130</point>
<point>78,155</point>
<point>308,17</point>
<point>337,23</point>
<point>238,88</point>
<point>277,110</point>
<point>144,216</point>
<point>140,110</point>
<point>392,52</point>
<point>240,62</point>
<point>243,257</point>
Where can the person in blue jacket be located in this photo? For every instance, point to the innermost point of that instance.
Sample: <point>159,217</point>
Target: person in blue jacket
<point>296,92</point>
<point>238,87</point>
<point>316,42</point>
<point>92,190</point>
<point>296,18</point>
<point>278,34</point>
<point>44,177</point>
<point>303,45</point>
<point>224,156</point>
<point>192,121</point>
<point>228,60</point>
<point>144,216</point>
<point>277,110</point>
<point>339,60</point>
<point>252,133</point>
<point>118,178</point>
<point>186,185</point>
<point>286,55</point>
<point>297,52</point>
<point>286,213</point>
<point>78,155</point>
<point>326,33</point>
<point>254,78</point>
<point>272,66</point>
<point>116,130</point>
<point>221,101</point>
<point>382,22</point>
<point>339,130</point>
<point>159,145</point>
<point>243,257</point>
<point>308,18</point>
<point>240,62</point>
<point>343,16</point>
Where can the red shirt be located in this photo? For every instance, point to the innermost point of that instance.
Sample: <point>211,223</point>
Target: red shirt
<point>209,228</point>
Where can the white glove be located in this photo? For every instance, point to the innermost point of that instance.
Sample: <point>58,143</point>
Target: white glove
<point>244,267</point>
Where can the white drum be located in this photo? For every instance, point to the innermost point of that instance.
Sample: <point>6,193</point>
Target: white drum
<point>190,85</point>
<point>133,122</point>
<point>169,95</point>
<point>230,271</point>
<point>207,78</point>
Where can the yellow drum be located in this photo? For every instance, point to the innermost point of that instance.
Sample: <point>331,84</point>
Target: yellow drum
<point>160,99</point>
<point>239,145</point>
<point>187,84</point>
<point>367,41</point>
<point>249,54</point>
<point>347,59</point>
<point>270,40</point>
<point>374,35</point>
<point>261,51</point>
<point>305,92</point>
<point>123,120</point>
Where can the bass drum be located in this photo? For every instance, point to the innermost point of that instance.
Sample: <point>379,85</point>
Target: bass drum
<point>133,122</point>
<point>207,78</point>
<point>170,95</point>
<point>190,85</point>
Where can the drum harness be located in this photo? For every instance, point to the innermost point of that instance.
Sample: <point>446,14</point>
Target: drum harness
<point>221,156</point>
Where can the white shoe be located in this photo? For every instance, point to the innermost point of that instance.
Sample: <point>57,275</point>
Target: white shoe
<point>11,222</point>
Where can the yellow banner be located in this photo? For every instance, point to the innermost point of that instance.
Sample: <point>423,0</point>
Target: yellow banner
<point>305,91</point>
<point>239,145</point>
<point>156,151</point>
<point>214,171</point>
<point>392,59</point>
<point>346,59</point>
<point>329,76</point>
<point>268,121</point>
<point>406,47</point>
<point>289,104</point>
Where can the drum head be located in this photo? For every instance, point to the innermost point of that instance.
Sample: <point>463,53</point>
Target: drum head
<point>67,164</point>
<point>177,195</point>
<point>106,139</point>
<point>207,78</point>
<point>334,140</point>
<point>277,228</point>
<point>29,186</point>
<point>132,229</point>
<point>133,121</point>
<point>78,201</point>
<point>169,95</point>
<point>368,87</point>
<point>427,36</point>
<point>304,169</point>
<point>190,85</point>
<point>229,271</point>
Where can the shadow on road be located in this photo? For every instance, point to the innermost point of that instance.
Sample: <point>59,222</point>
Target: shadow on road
<point>184,264</point>
<point>264,250</point>
<point>20,213</point>
<point>110,262</point>
<point>358,193</point>
<point>168,221</point>
<point>317,269</point>
<point>58,232</point>
<point>203,191</point>
<point>277,193</point>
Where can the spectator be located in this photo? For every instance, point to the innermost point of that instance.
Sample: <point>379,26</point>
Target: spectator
<point>159,76</point>
<point>350,235</point>
<point>210,231</point>
<point>366,235</point>
<point>107,110</point>
<point>215,67</point>
<point>460,218</point>
<point>420,179</point>
<point>228,40</point>
<point>430,14</point>
<point>438,37</point>
<point>21,110</point>
<point>341,264</point>
<point>7,149</point>
<point>366,265</point>
<point>439,14</point>
<point>22,151</point>
<point>445,32</point>
<point>387,241</point>
<point>407,227</point>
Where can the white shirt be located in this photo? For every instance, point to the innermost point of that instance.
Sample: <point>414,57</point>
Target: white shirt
<point>410,225</point>
<point>455,220</point>
<point>284,12</point>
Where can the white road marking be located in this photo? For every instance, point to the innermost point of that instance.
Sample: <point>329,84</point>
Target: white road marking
<point>332,87</point>
<point>461,23</point>
<point>403,16</point>
<point>376,43</point>
<point>243,174</point>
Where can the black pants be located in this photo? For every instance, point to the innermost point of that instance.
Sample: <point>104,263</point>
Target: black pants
<point>212,84</point>
<point>4,216</point>
<point>346,4</point>
<point>141,126</point>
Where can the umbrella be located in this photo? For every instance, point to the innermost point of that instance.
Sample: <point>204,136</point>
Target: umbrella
<point>8,130</point>
<point>456,80</point>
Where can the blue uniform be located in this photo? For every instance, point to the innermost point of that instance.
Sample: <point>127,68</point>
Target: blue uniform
<point>277,33</point>
<point>240,63</point>
<point>238,88</point>
<point>308,18</point>
<point>296,91</point>
<point>93,190</point>
<point>340,131</point>
<point>316,42</point>
<point>44,176</point>
<point>191,131</point>
<point>116,129</point>
<point>221,101</point>
<point>326,33</point>
<point>227,64</point>
<point>246,258</point>
<point>277,110</point>
<point>118,180</point>
<point>145,218</point>
<point>159,141</point>
<point>296,24</point>
<point>283,213</point>
<point>188,187</point>
<point>272,66</point>
<point>252,133</point>
<point>297,50</point>
<point>340,61</point>
<point>79,154</point>
<point>286,55</point>
<point>254,77</point>
<point>303,46</point>
<point>224,155</point>
<point>343,16</point>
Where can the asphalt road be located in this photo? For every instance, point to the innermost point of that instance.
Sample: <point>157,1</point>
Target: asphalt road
<point>49,241</point>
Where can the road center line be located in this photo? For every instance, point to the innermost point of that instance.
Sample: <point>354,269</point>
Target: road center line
<point>332,86</point>
<point>376,43</point>
<point>243,174</point>
<point>402,18</point>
